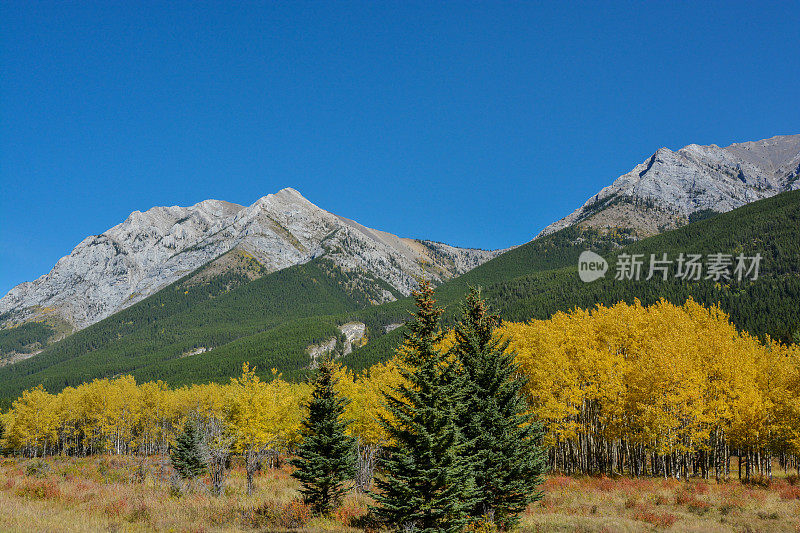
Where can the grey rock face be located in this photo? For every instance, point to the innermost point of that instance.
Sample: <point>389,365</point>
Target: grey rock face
<point>353,334</point>
<point>108,272</point>
<point>677,184</point>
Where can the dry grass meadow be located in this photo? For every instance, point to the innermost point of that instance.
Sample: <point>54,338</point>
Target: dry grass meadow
<point>124,494</point>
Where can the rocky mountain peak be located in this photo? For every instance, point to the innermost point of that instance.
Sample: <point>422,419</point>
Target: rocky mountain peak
<point>664,190</point>
<point>149,250</point>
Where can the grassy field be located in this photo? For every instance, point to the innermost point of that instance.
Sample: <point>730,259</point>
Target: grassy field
<point>125,494</point>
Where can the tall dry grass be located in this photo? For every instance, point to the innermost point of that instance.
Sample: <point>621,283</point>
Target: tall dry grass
<point>124,494</point>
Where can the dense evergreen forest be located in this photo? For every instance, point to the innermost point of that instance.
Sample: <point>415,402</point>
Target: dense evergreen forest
<point>265,321</point>
<point>192,332</point>
<point>541,277</point>
<point>27,336</point>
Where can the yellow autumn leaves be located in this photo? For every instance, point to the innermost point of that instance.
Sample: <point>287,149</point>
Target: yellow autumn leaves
<point>607,384</point>
<point>120,416</point>
<point>664,379</point>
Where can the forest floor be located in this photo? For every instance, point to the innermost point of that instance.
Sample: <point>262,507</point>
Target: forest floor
<point>122,494</point>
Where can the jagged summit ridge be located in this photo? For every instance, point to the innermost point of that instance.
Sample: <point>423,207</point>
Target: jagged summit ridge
<point>671,185</point>
<point>149,250</point>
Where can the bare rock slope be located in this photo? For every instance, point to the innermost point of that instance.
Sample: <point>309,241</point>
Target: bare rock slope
<point>666,189</point>
<point>108,272</point>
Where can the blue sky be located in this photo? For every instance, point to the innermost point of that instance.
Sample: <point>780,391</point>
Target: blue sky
<point>475,124</point>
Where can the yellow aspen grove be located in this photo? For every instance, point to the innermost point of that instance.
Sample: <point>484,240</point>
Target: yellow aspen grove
<point>32,424</point>
<point>154,429</point>
<point>665,390</point>
<point>263,417</point>
<point>662,390</point>
<point>365,410</point>
<point>366,406</point>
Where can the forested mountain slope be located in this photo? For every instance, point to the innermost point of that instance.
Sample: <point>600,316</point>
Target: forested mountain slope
<point>183,321</point>
<point>541,277</point>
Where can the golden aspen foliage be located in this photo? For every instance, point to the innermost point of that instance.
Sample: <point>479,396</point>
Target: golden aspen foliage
<point>261,414</point>
<point>367,405</point>
<point>614,384</point>
<point>662,390</point>
<point>32,422</point>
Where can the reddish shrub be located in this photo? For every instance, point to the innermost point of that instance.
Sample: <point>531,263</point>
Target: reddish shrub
<point>294,514</point>
<point>627,484</point>
<point>36,489</point>
<point>700,487</point>
<point>349,513</point>
<point>691,501</point>
<point>755,495</point>
<point>557,482</point>
<point>117,509</point>
<point>789,492</point>
<point>663,520</point>
<point>548,503</point>
<point>631,502</point>
<point>605,484</point>
<point>660,500</point>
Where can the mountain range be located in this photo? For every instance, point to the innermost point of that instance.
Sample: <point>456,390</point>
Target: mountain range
<point>188,294</point>
<point>108,272</point>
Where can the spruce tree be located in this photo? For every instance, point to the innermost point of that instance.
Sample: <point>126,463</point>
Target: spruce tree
<point>188,454</point>
<point>426,484</point>
<point>325,459</point>
<point>503,441</point>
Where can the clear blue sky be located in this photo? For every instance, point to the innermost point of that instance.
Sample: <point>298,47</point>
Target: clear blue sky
<point>475,124</point>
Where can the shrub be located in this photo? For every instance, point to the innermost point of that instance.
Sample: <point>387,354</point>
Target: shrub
<point>789,493</point>
<point>663,520</point>
<point>759,481</point>
<point>37,468</point>
<point>726,508</point>
<point>550,502</point>
<point>700,487</point>
<point>117,508</point>
<point>556,482</point>
<point>604,484</point>
<point>631,502</point>
<point>349,513</point>
<point>292,514</point>
<point>482,525</point>
<point>296,514</point>
<point>38,490</point>
<point>140,513</point>
<point>659,499</point>
<point>695,505</point>
<point>368,522</point>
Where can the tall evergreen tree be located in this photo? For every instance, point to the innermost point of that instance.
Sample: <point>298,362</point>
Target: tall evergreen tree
<point>503,440</point>
<point>426,483</point>
<point>188,455</point>
<point>326,456</point>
